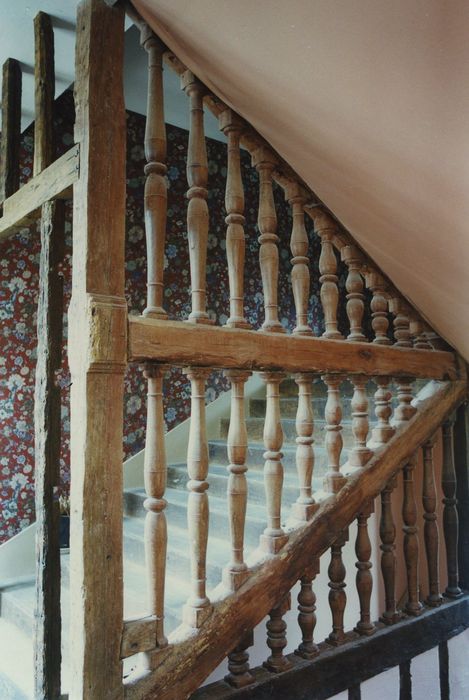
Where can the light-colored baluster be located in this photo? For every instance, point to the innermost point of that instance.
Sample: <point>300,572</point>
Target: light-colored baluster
<point>299,247</point>
<point>364,578</point>
<point>360,453</point>
<point>154,471</point>
<point>417,330</point>
<point>450,512</point>
<point>411,542</point>
<point>398,308</point>
<point>305,506</point>
<point>387,532</point>
<point>333,480</point>
<point>383,431</point>
<point>236,571</point>
<point>379,308</point>
<point>277,637</point>
<point>265,162</point>
<point>198,606</point>
<point>307,613</point>
<point>239,675</point>
<point>155,197</point>
<point>326,229</point>
<point>404,410</point>
<point>430,528</point>
<point>273,537</point>
<point>337,595</point>
<point>232,126</point>
<point>197,210</point>
<point>355,297</point>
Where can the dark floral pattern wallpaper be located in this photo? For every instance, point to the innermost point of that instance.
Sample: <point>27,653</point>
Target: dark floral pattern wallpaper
<point>19,258</point>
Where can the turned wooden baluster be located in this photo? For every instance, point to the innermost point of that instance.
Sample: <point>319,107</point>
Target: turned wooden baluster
<point>239,674</point>
<point>155,197</point>
<point>236,571</point>
<point>307,613</point>
<point>411,541</point>
<point>387,532</point>
<point>299,247</point>
<point>197,210</point>
<point>198,606</point>
<point>364,578</point>
<point>333,480</point>
<point>337,595</point>
<point>233,126</point>
<point>355,297</point>
<point>431,526</point>
<point>401,322</point>
<point>326,229</point>
<point>417,330</point>
<point>450,512</point>
<point>277,638</point>
<point>264,162</point>
<point>379,308</point>
<point>155,472</point>
<point>360,453</point>
<point>404,410</point>
<point>273,537</point>
<point>305,506</point>
<point>383,431</point>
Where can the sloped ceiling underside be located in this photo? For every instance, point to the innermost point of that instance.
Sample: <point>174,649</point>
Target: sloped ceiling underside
<point>368,100</point>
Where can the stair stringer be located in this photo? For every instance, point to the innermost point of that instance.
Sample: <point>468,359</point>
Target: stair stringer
<point>192,654</point>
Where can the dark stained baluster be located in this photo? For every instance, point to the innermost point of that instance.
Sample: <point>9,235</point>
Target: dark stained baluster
<point>337,595</point>
<point>11,129</point>
<point>239,674</point>
<point>364,577</point>
<point>277,638</point>
<point>430,528</point>
<point>307,613</point>
<point>450,513</point>
<point>411,542</point>
<point>387,531</point>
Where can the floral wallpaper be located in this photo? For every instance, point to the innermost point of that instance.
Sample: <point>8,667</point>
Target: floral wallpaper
<point>19,259</point>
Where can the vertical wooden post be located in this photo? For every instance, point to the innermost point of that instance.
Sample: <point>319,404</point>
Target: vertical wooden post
<point>450,512</point>
<point>239,675</point>
<point>360,453</point>
<point>47,407</point>
<point>307,613</point>
<point>387,533</point>
<point>401,322</point>
<point>383,431</point>
<point>326,228</point>
<point>411,541</point>
<point>355,297</point>
<point>299,247</point>
<point>233,126</point>
<point>430,528</point>
<point>98,358</point>
<point>379,308</point>
<point>11,129</point>
<point>277,637</point>
<point>337,595</point>
<point>364,578</point>
<point>404,410</point>
<point>461,458</point>
<point>155,197</point>
<point>334,479</point>
<point>305,506</point>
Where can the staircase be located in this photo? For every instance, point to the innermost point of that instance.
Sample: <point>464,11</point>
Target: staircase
<point>17,602</point>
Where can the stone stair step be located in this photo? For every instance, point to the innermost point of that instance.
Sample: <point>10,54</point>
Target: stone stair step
<point>289,406</point>
<point>255,430</point>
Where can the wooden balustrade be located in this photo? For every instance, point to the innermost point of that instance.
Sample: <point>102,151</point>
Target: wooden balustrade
<point>305,506</point>
<point>239,675</point>
<point>155,474</point>
<point>418,328</point>
<point>430,530</point>
<point>450,511</point>
<point>236,572</point>
<point>383,430</point>
<point>364,578</point>
<point>300,271</point>
<point>307,613</point>
<point>398,308</point>
<point>355,297</point>
<point>273,538</point>
<point>404,410</point>
<point>11,129</point>
<point>360,453</point>
<point>411,541</point>
<point>155,196</point>
<point>379,307</point>
<point>326,229</point>
<point>197,210</point>
<point>277,637</point>
<point>387,532</point>
<point>198,606</point>
<point>233,126</point>
<point>337,595</point>
<point>333,480</point>
<point>265,162</point>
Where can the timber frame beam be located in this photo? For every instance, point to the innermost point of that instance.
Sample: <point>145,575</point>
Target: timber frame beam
<point>180,343</point>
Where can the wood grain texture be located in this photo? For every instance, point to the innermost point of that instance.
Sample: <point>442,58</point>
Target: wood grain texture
<point>11,129</point>
<point>178,343</point>
<point>97,355</point>
<point>44,92</point>
<point>179,673</point>
<point>24,207</point>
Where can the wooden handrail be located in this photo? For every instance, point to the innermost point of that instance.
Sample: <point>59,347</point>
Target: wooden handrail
<point>272,580</point>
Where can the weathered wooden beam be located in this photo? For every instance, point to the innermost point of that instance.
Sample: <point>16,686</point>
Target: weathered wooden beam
<point>44,92</point>
<point>138,635</point>
<point>11,129</point>
<point>183,667</point>
<point>177,342</point>
<point>97,355</point>
<point>47,425</point>
<point>24,207</point>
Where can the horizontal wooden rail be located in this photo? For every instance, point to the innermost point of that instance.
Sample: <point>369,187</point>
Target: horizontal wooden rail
<point>338,669</point>
<point>180,343</point>
<point>24,207</point>
<point>183,667</point>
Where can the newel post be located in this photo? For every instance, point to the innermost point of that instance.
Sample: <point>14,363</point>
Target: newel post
<point>97,355</point>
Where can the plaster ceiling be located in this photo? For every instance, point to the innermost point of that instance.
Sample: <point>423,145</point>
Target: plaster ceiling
<point>368,100</point>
